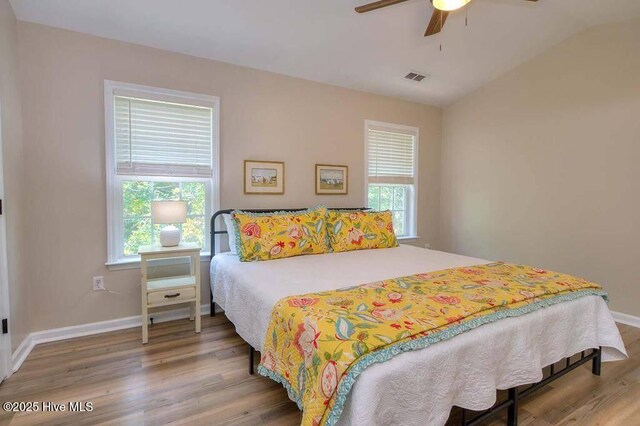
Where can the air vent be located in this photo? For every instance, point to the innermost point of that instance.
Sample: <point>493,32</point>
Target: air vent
<point>415,76</point>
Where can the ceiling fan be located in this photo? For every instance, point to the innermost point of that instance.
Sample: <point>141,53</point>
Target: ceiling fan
<point>441,11</point>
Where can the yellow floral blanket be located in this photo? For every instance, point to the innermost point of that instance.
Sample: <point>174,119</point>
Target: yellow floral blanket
<point>317,344</point>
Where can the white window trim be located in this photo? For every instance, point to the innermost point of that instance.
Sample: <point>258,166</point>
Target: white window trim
<point>114,196</point>
<point>412,233</point>
<point>134,262</point>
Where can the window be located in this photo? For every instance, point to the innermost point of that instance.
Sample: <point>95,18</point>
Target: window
<point>391,173</point>
<point>160,145</point>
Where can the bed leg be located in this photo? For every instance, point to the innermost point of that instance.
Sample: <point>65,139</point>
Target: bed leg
<point>213,305</point>
<point>512,411</point>
<point>597,362</point>
<point>251,354</point>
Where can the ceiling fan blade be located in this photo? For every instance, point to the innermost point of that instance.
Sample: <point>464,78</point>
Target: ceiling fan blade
<point>377,5</point>
<point>438,18</point>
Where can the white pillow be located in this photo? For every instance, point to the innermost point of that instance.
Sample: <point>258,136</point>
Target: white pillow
<point>231,229</point>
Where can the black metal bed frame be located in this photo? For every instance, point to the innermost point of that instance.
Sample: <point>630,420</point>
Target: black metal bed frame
<point>514,395</point>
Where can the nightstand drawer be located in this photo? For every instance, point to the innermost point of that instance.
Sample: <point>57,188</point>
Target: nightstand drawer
<point>166,296</point>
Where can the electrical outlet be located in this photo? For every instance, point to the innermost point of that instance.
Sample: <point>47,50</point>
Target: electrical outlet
<point>98,283</point>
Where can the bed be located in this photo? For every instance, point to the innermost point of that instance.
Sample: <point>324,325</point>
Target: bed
<point>420,387</point>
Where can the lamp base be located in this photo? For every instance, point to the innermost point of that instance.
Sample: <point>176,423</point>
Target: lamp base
<point>170,236</point>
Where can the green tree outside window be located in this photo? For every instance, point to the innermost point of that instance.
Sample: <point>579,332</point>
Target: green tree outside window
<point>138,227</point>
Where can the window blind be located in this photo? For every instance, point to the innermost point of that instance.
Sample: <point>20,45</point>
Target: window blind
<point>390,156</point>
<point>155,138</point>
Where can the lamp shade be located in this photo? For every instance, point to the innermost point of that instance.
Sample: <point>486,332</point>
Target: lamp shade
<point>449,5</point>
<point>169,211</point>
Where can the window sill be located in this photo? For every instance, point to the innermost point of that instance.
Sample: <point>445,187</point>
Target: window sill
<point>408,238</point>
<point>134,262</point>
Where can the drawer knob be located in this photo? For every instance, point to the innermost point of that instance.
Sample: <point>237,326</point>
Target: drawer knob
<point>170,296</point>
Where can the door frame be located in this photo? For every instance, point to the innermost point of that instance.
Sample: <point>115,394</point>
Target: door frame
<point>6,367</point>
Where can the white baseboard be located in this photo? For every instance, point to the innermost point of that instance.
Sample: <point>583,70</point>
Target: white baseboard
<point>627,319</point>
<point>22,352</point>
<point>64,333</point>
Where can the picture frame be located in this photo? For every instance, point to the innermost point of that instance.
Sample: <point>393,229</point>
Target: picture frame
<point>332,179</point>
<point>263,177</point>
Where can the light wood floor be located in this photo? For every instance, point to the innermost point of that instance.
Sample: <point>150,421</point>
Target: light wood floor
<point>184,378</point>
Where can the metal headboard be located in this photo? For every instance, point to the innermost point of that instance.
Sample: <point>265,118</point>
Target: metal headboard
<point>215,231</point>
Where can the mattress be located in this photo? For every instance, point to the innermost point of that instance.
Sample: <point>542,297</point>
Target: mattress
<point>418,387</point>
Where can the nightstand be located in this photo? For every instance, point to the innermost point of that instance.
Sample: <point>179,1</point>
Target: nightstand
<point>172,290</point>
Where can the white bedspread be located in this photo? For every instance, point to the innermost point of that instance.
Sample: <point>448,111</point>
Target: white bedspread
<point>418,387</point>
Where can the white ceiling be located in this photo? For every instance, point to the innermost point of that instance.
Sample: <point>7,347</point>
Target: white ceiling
<point>326,41</point>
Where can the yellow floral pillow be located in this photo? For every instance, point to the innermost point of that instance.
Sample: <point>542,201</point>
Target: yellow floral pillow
<point>266,236</point>
<point>358,230</point>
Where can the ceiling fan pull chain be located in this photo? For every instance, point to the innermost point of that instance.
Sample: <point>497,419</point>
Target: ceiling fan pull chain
<point>466,17</point>
<point>441,30</point>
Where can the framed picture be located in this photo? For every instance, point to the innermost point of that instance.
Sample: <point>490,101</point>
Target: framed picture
<point>263,177</point>
<point>331,179</point>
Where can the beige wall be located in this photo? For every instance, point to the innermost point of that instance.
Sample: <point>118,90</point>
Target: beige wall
<point>12,156</point>
<point>542,166</point>
<point>263,116</point>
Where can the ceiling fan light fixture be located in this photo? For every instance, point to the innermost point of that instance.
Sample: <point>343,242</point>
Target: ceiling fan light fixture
<point>449,5</point>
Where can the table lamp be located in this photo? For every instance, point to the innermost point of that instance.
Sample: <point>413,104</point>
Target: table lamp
<point>169,213</point>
